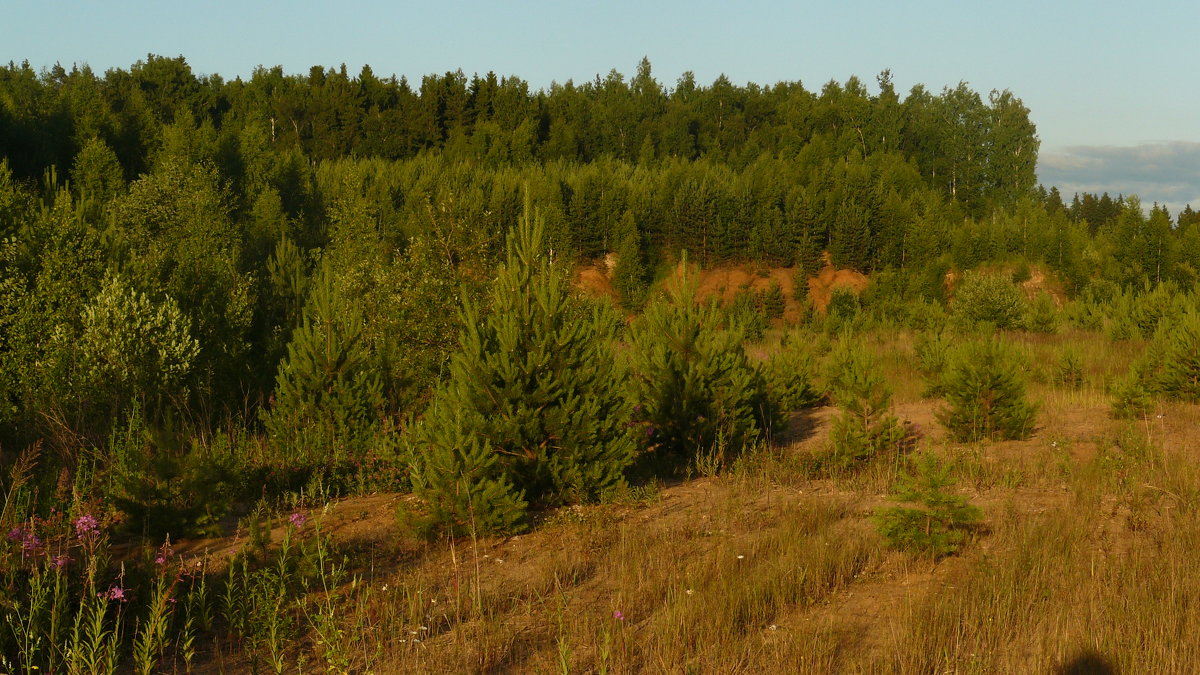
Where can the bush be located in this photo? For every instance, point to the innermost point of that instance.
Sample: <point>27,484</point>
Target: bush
<point>789,374</point>
<point>986,394</point>
<point>691,380</point>
<point>933,350</point>
<point>1130,397</point>
<point>865,427</point>
<point>844,306</point>
<point>1068,372</point>
<point>1043,315</point>
<point>989,299</point>
<point>940,525</point>
<point>1177,375</point>
<point>532,411</point>
<point>328,392</point>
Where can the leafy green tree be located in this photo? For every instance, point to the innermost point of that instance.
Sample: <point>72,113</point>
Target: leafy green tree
<point>132,349</point>
<point>97,174</point>
<point>988,298</point>
<point>532,409</point>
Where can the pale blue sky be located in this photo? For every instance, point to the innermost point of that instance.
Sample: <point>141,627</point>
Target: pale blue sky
<point>1093,73</point>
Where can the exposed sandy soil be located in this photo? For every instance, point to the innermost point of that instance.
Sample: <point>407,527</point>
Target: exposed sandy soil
<point>725,281</point>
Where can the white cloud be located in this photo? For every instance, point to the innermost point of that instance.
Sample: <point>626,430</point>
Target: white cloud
<point>1167,173</point>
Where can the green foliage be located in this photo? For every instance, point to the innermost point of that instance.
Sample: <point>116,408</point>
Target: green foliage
<point>790,372</point>
<point>97,174</point>
<point>985,394</point>
<point>133,349</point>
<point>532,409</point>
<point>630,275</point>
<point>326,405</point>
<point>933,349</point>
<point>844,306</point>
<point>984,298</point>
<point>1068,372</point>
<point>1173,360</point>
<point>1042,315</point>
<point>940,525</point>
<point>691,380</point>
<point>1131,399</point>
<point>865,427</point>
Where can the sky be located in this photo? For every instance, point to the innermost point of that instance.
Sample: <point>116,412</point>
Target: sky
<point>1111,86</point>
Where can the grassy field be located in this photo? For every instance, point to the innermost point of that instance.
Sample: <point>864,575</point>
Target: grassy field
<point>1085,559</point>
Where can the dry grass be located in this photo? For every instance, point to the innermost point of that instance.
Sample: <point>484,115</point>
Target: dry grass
<point>1087,552</point>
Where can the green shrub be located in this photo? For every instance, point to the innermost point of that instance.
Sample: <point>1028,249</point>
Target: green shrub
<point>745,313</point>
<point>984,298</point>
<point>1042,316</point>
<point>939,526</point>
<point>985,394</point>
<point>1177,372</point>
<point>772,301</point>
<point>1022,273</point>
<point>789,374</point>
<point>932,349</point>
<point>328,391</point>
<point>691,380</point>
<point>865,427</point>
<point>1130,397</point>
<point>532,410</point>
<point>844,306</point>
<point>1068,372</point>
<point>1085,314</point>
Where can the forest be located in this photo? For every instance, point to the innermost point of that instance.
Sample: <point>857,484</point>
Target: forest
<point>222,302</point>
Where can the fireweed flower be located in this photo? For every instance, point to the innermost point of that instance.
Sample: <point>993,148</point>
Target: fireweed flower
<point>60,561</point>
<point>86,526</point>
<point>116,593</point>
<point>164,553</point>
<point>618,615</point>
<point>298,519</point>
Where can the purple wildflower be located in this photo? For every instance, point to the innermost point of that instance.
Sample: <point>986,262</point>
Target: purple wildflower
<point>16,534</point>
<point>164,553</point>
<point>618,615</point>
<point>298,519</point>
<point>115,593</point>
<point>86,526</point>
<point>60,561</point>
<point>32,544</point>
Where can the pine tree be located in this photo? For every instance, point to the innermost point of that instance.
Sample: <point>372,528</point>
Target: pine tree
<point>629,275</point>
<point>986,395</point>
<point>532,409</point>
<point>865,427</point>
<point>692,383</point>
<point>328,391</point>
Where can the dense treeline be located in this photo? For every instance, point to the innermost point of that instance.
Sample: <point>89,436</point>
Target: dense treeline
<point>979,153</point>
<point>183,245</point>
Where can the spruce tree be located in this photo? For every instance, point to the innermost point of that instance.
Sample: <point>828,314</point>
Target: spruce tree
<point>532,411</point>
